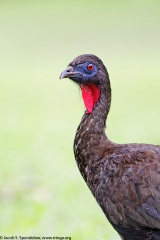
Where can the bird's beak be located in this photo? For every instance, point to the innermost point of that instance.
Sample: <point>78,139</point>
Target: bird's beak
<point>68,72</point>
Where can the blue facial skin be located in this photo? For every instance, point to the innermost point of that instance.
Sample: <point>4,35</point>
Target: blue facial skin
<point>83,73</point>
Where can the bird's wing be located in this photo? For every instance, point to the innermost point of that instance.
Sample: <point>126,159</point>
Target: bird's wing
<point>146,181</point>
<point>131,188</point>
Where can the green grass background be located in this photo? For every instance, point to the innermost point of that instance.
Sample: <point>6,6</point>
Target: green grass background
<point>41,190</point>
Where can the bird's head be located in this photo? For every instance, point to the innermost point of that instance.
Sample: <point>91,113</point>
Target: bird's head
<point>89,72</point>
<point>85,69</point>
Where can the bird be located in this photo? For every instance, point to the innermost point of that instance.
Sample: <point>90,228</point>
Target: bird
<point>123,178</point>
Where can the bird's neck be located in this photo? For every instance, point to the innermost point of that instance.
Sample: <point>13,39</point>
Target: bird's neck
<point>90,135</point>
<point>97,100</point>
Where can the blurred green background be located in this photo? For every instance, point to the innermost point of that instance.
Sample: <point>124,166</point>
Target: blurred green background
<point>41,190</point>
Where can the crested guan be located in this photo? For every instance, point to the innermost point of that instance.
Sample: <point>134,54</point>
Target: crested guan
<point>124,178</point>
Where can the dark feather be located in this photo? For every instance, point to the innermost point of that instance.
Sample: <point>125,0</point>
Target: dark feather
<point>124,178</point>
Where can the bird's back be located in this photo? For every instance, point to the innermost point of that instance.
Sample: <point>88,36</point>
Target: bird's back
<point>124,179</point>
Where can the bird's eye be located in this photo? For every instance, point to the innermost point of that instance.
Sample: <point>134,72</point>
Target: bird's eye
<point>90,66</point>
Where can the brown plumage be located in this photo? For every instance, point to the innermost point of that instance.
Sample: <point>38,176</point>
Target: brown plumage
<point>124,178</point>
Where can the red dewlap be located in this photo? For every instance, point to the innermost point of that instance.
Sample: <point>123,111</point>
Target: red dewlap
<point>90,95</point>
